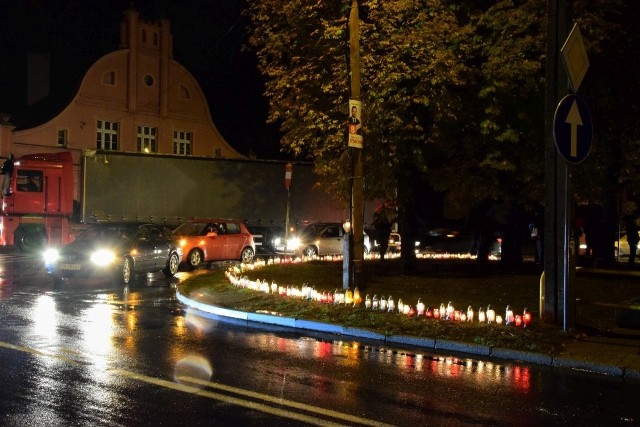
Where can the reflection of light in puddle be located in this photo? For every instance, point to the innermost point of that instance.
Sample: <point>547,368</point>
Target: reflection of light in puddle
<point>193,367</point>
<point>45,317</point>
<point>197,322</point>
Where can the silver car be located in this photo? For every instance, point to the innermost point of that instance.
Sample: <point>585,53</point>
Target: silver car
<point>318,239</point>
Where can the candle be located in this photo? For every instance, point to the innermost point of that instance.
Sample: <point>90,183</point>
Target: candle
<point>491,314</point>
<point>518,320</point>
<point>420,308</point>
<point>509,318</point>
<point>526,318</point>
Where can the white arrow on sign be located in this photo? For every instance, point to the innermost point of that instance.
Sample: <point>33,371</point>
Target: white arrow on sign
<point>574,120</point>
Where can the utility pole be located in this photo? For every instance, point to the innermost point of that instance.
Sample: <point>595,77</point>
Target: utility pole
<point>357,204</point>
<point>557,180</point>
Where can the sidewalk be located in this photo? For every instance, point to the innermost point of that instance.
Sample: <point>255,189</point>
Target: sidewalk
<point>615,355</point>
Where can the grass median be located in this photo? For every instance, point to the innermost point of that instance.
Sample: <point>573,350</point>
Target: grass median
<point>462,282</point>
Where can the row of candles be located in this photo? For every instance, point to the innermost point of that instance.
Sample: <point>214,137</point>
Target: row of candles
<point>348,297</point>
<point>260,262</point>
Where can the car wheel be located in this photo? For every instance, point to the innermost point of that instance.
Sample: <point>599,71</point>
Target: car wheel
<point>310,251</point>
<point>29,240</point>
<point>172,265</point>
<point>125,274</point>
<point>246,255</point>
<point>195,258</point>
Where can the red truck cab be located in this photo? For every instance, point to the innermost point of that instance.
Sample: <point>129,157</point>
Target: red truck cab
<point>40,202</point>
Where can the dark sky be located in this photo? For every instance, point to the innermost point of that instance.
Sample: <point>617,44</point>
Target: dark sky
<point>207,39</point>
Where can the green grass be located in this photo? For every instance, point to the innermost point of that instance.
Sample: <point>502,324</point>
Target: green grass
<point>462,282</point>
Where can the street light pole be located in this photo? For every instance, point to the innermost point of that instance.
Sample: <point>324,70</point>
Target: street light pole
<point>357,205</point>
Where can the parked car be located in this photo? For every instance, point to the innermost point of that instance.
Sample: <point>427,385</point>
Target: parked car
<point>622,249</point>
<point>318,239</point>
<point>117,249</point>
<point>394,245</point>
<point>265,237</point>
<point>456,242</point>
<point>210,239</point>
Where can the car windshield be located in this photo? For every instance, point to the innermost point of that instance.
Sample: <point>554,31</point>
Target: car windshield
<point>106,232</point>
<point>191,229</point>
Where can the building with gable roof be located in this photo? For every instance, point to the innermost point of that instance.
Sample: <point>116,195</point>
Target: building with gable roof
<point>135,99</point>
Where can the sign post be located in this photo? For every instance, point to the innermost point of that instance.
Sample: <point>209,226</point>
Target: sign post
<point>572,134</point>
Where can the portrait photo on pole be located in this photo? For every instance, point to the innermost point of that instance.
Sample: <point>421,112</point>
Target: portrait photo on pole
<point>354,123</point>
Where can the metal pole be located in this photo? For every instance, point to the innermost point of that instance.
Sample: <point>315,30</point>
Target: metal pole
<point>357,211</point>
<point>555,221</point>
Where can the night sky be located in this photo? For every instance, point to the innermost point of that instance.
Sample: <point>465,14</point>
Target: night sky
<point>207,39</point>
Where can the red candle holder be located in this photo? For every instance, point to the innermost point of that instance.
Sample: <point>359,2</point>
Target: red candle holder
<point>518,320</point>
<point>526,318</point>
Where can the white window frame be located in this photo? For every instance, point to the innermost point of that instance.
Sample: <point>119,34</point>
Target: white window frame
<point>62,137</point>
<point>107,135</point>
<point>182,142</point>
<point>147,139</point>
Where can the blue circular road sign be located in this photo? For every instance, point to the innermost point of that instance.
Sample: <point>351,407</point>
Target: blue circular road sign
<point>572,129</point>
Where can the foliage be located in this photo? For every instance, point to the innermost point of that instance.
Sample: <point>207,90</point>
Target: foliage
<point>453,96</point>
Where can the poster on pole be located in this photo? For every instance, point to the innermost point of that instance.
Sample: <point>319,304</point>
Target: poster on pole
<point>354,123</point>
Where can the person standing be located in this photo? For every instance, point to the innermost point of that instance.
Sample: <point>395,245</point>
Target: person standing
<point>7,170</point>
<point>383,218</point>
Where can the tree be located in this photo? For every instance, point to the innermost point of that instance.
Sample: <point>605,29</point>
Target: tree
<point>453,98</point>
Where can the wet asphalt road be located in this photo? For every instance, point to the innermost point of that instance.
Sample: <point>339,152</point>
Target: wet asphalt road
<point>93,353</point>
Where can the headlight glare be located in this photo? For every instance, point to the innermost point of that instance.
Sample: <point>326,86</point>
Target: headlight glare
<point>102,257</point>
<point>51,255</point>
<point>293,243</point>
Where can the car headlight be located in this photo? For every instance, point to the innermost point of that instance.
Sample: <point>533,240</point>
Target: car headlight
<point>293,243</point>
<point>51,255</point>
<point>102,257</point>
<point>277,241</point>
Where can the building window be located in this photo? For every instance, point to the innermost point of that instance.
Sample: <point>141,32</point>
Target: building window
<point>148,80</point>
<point>182,143</point>
<point>218,153</point>
<point>146,139</point>
<point>62,137</point>
<point>107,135</point>
<point>144,36</point>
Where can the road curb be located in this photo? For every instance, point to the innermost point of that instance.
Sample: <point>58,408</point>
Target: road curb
<point>427,343</point>
<point>582,365</point>
<point>243,318</point>
<point>523,356</point>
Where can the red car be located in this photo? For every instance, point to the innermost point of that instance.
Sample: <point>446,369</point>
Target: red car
<point>205,240</point>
